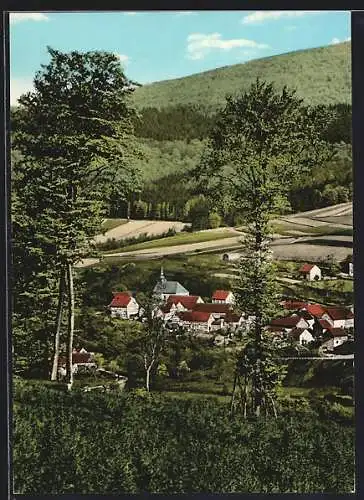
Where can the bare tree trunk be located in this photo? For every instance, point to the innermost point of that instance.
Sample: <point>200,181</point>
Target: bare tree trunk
<point>58,324</point>
<point>233,394</point>
<point>245,396</point>
<point>70,326</point>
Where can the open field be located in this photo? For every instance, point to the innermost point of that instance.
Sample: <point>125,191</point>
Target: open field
<point>182,239</point>
<point>135,228</point>
<point>109,224</point>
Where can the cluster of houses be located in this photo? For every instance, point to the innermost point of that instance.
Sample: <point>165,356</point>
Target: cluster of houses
<point>309,322</point>
<point>180,309</point>
<point>305,323</point>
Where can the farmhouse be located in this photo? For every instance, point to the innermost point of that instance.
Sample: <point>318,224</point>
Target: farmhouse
<point>316,310</point>
<point>123,305</point>
<point>178,303</point>
<point>184,302</point>
<point>217,310</point>
<point>289,323</point>
<point>222,297</point>
<point>311,272</point>
<point>336,337</point>
<point>196,320</point>
<point>339,317</point>
<point>164,288</point>
<point>81,360</point>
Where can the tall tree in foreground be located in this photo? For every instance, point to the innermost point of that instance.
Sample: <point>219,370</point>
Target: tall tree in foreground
<point>75,133</point>
<point>263,140</point>
<point>154,335</point>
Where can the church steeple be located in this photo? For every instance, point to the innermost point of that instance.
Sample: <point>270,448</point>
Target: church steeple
<point>162,278</point>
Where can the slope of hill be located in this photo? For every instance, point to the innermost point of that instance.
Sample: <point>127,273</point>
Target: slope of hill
<point>321,76</point>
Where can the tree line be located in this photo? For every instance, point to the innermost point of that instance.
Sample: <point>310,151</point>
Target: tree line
<point>187,122</point>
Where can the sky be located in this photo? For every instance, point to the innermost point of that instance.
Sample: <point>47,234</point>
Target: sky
<point>156,45</point>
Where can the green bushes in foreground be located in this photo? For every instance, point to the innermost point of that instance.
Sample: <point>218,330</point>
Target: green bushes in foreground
<point>132,443</point>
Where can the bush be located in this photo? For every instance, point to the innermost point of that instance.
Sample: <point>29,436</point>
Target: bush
<point>89,443</point>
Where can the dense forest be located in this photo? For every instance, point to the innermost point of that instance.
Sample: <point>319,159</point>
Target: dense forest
<point>321,76</point>
<point>172,140</point>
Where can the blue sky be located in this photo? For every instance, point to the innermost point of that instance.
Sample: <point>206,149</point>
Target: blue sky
<point>157,46</point>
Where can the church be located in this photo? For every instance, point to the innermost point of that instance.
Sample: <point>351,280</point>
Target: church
<point>164,288</point>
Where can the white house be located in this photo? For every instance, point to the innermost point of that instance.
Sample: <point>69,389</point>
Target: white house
<point>307,317</point>
<point>223,297</point>
<point>302,335</point>
<point>310,272</point>
<point>197,321</point>
<point>337,336</point>
<point>123,305</point>
<point>217,310</point>
<point>339,317</point>
<point>226,257</point>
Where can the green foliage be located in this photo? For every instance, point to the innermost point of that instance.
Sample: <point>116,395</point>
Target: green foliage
<point>74,132</point>
<point>261,141</point>
<point>320,75</point>
<point>173,123</point>
<point>138,443</point>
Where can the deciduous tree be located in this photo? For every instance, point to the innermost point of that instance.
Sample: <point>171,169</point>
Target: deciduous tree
<point>263,139</point>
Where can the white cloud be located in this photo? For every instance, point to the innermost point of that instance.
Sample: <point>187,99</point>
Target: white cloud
<point>259,16</point>
<point>199,44</point>
<point>335,40</point>
<point>290,28</point>
<point>19,86</point>
<point>123,58</point>
<point>130,13</point>
<point>18,17</point>
<point>186,13</point>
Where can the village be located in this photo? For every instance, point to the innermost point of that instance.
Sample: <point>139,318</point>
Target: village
<point>301,325</point>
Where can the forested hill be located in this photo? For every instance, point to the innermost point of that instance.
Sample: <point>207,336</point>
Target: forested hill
<point>320,75</point>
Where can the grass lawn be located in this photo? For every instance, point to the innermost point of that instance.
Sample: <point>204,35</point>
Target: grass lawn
<point>338,285</point>
<point>335,292</point>
<point>178,239</point>
<point>289,229</point>
<point>112,223</point>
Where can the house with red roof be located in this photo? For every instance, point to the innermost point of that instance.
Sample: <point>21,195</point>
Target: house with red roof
<point>184,302</point>
<point>335,337</point>
<point>81,360</point>
<point>316,310</point>
<point>293,305</point>
<point>310,272</point>
<point>223,297</point>
<point>123,305</point>
<point>288,323</point>
<point>217,310</point>
<point>178,303</point>
<point>339,317</point>
<point>196,320</point>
